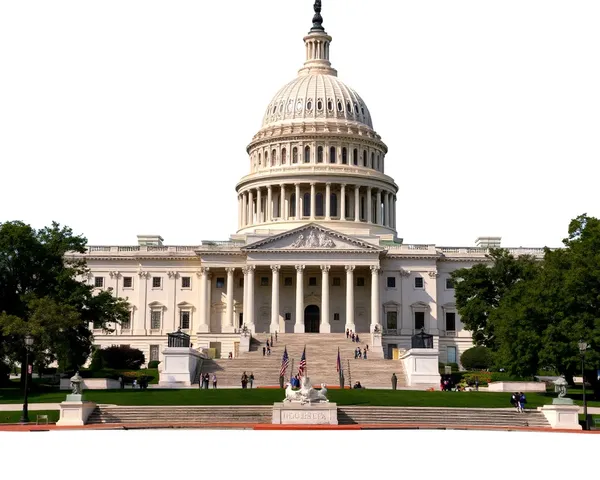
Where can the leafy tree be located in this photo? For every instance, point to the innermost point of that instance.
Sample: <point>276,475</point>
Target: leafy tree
<point>476,358</point>
<point>122,357</point>
<point>41,294</point>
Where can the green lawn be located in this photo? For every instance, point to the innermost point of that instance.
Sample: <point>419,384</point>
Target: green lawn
<point>14,417</point>
<point>268,396</point>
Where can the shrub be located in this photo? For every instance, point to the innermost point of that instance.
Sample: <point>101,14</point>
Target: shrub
<point>476,358</point>
<point>97,362</point>
<point>483,377</point>
<point>153,364</point>
<point>121,357</point>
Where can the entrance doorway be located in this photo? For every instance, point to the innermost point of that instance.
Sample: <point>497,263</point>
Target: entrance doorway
<point>312,319</point>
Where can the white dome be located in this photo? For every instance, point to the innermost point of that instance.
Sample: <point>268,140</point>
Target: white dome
<point>316,97</point>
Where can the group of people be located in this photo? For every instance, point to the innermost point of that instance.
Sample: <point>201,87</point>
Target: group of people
<point>205,379</point>
<point>247,380</point>
<point>518,401</point>
<point>351,335</point>
<point>267,348</point>
<point>361,354</point>
<point>142,383</point>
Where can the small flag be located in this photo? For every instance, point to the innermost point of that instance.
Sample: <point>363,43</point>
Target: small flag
<point>302,366</point>
<point>338,367</point>
<point>285,361</point>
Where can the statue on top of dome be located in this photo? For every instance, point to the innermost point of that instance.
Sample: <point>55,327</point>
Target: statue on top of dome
<point>317,19</point>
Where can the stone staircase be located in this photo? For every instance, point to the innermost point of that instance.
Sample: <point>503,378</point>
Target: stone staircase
<point>175,415</point>
<point>451,417</point>
<point>321,357</point>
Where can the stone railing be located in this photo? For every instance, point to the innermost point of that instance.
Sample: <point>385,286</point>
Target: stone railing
<point>139,248</point>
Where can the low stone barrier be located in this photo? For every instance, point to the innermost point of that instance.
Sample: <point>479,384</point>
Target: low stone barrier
<point>92,384</point>
<point>516,387</point>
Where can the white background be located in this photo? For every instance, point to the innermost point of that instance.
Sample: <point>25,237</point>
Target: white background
<point>125,117</point>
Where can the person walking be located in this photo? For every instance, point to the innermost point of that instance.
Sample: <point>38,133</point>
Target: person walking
<point>251,379</point>
<point>276,336</point>
<point>347,333</point>
<point>264,351</point>
<point>244,380</point>
<point>214,380</point>
<point>268,350</point>
<point>522,402</point>
<point>365,354</point>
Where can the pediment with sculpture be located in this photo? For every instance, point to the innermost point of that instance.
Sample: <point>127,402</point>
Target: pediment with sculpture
<point>312,237</point>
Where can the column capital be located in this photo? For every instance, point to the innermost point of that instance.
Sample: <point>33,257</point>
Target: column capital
<point>248,269</point>
<point>172,274</point>
<point>357,187</point>
<point>312,184</point>
<point>114,274</point>
<point>275,268</point>
<point>350,268</point>
<point>282,185</point>
<point>202,271</point>
<point>342,185</point>
<point>296,184</point>
<point>300,268</point>
<point>433,274</point>
<point>370,189</point>
<point>325,268</point>
<point>144,274</point>
<point>269,187</point>
<point>404,273</point>
<point>230,270</point>
<point>375,269</point>
<point>328,184</point>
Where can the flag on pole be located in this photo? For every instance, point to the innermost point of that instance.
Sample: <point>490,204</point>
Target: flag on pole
<point>302,366</point>
<point>285,361</point>
<point>338,367</point>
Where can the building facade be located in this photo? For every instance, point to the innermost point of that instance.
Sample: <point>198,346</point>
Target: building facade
<point>316,248</point>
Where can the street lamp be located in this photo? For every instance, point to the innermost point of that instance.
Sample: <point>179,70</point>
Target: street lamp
<point>583,346</point>
<point>28,343</point>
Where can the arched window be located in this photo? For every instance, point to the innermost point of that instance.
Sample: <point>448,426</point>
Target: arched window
<point>319,205</point>
<point>320,155</point>
<point>344,156</point>
<point>306,205</point>
<point>372,160</point>
<point>331,154</point>
<point>362,208</point>
<point>347,207</point>
<point>365,158</point>
<point>355,157</point>
<point>273,157</point>
<point>378,164</point>
<point>283,156</point>
<point>307,154</point>
<point>295,155</point>
<point>266,159</point>
<point>259,160</point>
<point>292,212</point>
<point>333,209</point>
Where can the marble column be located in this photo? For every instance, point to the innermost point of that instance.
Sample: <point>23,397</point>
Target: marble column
<point>244,209</point>
<point>282,212</point>
<point>250,208</point>
<point>328,201</point>
<point>259,206</point>
<point>370,205</point>
<point>343,202</point>
<point>357,203</point>
<point>378,209</point>
<point>312,201</point>
<point>202,321</point>
<point>228,327</point>
<point>239,212</point>
<point>269,212</point>
<point>208,299</point>
<point>297,185</point>
<point>350,298</point>
<point>325,323</point>
<point>275,299</point>
<point>375,320</point>
<point>387,209</point>
<point>299,324</point>
<point>249,288</point>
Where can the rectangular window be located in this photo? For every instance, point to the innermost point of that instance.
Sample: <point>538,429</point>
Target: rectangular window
<point>419,282</point>
<point>264,281</point>
<point>449,284</point>
<point>288,316</point>
<point>186,282</point>
<point>127,282</point>
<point>337,282</point>
<point>126,324</point>
<point>360,281</point>
<point>392,320</point>
<point>336,316</point>
<point>312,281</point>
<point>155,318</point>
<point>156,282</point>
<point>154,349</point>
<point>287,282</point>
<point>184,319</point>
<point>450,321</point>
<point>220,282</point>
<point>391,282</point>
<point>419,320</point>
<point>451,355</point>
<point>99,282</point>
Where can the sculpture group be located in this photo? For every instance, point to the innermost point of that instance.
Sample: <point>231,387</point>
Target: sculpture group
<point>306,394</point>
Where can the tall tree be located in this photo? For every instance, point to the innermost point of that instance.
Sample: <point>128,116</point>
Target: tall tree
<point>41,294</point>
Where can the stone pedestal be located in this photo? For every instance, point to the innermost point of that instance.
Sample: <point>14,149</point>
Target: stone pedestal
<point>245,342</point>
<point>179,366</point>
<point>74,411</point>
<point>291,413</point>
<point>421,366</point>
<point>562,415</point>
<point>376,348</point>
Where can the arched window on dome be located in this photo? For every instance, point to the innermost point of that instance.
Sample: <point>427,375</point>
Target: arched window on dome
<point>319,205</point>
<point>355,157</point>
<point>273,157</point>
<point>347,206</point>
<point>372,160</point>
<point>307,154</point>
<point>344,156</point>
<point>283,156</point>
<point>378,163</point>
<point>319,154</point>
<point>295,155</point>
<point>333,208</point>
<point>306,205</point>
<point>332,155</point>
<point>365,158</point>
<point>292,209</point>
<point>266,158</point>
<point>259,160</point>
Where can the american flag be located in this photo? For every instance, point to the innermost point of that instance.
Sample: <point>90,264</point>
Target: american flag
<point>285,361</point>
<point>302,366</point>
<point>338,367</point>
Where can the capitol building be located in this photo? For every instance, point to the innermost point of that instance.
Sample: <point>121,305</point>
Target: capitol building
<point>316,248</point>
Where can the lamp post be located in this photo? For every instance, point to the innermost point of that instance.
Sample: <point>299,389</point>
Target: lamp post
<point>583,346</point>
<point>25,413</point>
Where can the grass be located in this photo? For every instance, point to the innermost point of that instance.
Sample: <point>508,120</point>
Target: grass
<point>14,417</point>
<point>268,396</point>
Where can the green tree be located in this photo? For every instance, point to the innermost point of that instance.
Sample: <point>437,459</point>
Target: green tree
<point>476,358</point>
<point>41,294</point>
